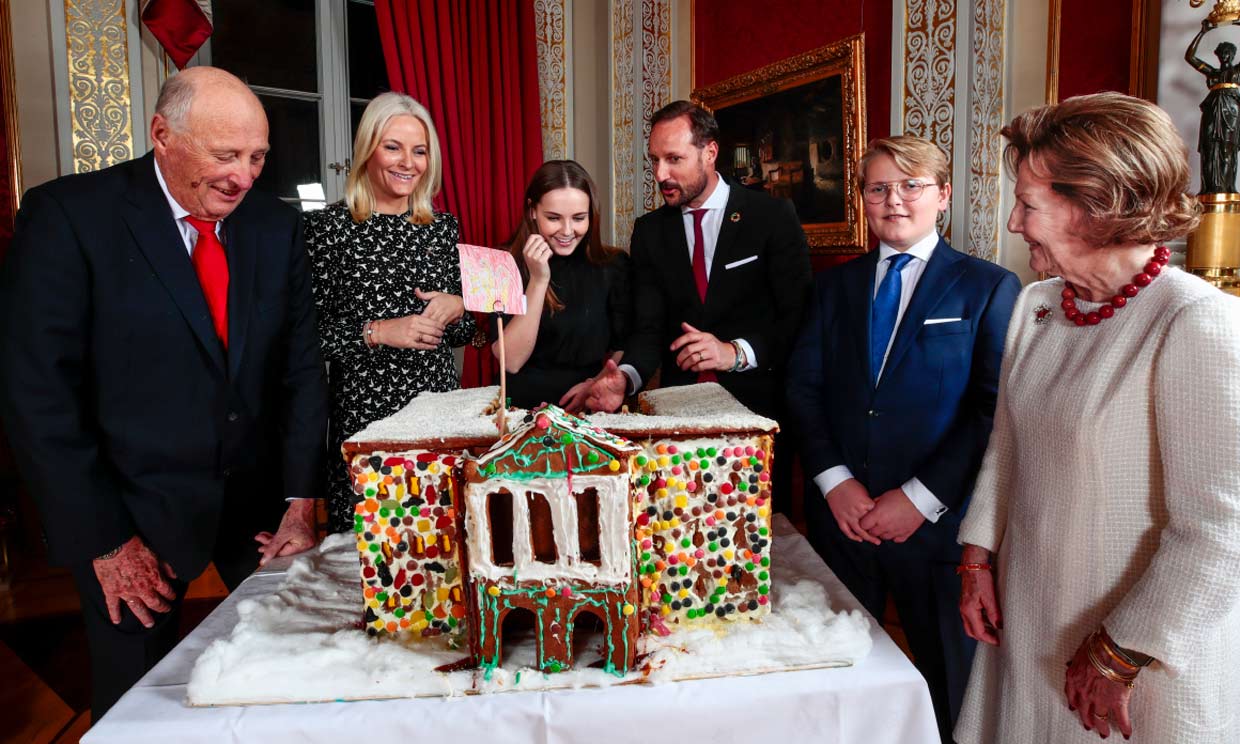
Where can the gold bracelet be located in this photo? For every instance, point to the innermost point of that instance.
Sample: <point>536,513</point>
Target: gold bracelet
<point>1116,660</point>
<point>1127,657</point>
<point>1106,671</point>
<point>966,567</point>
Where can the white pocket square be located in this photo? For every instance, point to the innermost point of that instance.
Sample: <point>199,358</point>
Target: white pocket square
<point>741,262</point>
<point>936,321</point>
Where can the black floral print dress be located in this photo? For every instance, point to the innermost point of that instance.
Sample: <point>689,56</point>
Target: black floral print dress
<point>368,271</point>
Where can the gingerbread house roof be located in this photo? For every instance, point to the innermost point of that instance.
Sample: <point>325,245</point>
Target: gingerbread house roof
<point>550,442</point>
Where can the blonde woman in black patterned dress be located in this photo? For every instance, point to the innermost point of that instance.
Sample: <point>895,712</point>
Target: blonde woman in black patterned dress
<point>387,281</point>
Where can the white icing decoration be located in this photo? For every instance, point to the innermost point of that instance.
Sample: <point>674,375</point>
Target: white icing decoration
<point>458,414</point>
<point>614,530</point>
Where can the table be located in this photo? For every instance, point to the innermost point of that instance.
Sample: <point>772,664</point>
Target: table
<point>882,699</point>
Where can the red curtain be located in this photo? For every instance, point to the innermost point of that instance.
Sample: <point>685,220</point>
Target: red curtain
<point>473,64</point>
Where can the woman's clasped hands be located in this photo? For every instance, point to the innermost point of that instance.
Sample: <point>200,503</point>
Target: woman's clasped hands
<point>422,331</point>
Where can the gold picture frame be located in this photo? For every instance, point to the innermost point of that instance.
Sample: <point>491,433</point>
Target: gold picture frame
<point>795,129</point>
<point>11,176</point>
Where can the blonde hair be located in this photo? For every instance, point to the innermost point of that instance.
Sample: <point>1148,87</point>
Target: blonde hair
<point>1118,158</point>
<point>357,190</point>
<point>913,155</point>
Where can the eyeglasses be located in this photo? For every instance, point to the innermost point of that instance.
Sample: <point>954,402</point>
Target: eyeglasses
<point>909,191</point>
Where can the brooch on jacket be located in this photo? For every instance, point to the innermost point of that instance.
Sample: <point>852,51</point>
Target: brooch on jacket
<point>1041,314</point>
<point>735,216</point>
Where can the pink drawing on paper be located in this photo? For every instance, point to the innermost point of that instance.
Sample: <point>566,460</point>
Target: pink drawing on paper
<point>490,281</point>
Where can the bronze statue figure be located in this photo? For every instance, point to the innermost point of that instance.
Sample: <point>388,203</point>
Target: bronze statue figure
<point>1219,139</point>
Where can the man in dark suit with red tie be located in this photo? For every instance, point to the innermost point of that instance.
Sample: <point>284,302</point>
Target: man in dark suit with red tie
<point>720,276</point>
<point>161,382</point>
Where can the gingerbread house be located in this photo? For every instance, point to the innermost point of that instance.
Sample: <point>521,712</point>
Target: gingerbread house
<point>549,519</point>
<point>644,521</point>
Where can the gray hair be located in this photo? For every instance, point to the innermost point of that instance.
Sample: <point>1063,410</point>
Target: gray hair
<point>175,97</point>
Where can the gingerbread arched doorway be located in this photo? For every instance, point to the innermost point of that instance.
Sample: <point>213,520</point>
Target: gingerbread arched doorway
<point>518,639</point>
<point>588,638</point>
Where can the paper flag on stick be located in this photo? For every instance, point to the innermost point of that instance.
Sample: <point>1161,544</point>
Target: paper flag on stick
<point>490,281</point>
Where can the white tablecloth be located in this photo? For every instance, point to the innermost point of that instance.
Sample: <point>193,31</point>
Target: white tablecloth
<point>883,699</point>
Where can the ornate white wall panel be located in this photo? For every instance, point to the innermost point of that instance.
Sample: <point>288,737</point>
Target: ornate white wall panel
<point>985,121</point>
<point>950,57</point>
<point>656,79</point>
<point>626,162</point>
<point>641,46</point>
<point>930,75</point>
<point>553,24</point>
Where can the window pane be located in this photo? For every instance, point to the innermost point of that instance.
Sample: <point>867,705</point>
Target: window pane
<point>269,42</point>
<point>542,531</point>
<point>367,73</point>
<point>294,136</point>
<point>588,525</point>
<point>499,515</point>
<point>355,117</point>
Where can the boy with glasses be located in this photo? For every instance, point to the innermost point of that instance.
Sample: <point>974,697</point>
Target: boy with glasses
<point>893,383</point>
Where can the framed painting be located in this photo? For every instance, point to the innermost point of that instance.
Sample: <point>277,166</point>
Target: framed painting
<point>795,129</point>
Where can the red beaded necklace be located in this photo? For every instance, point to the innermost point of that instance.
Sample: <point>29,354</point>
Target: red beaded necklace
<point>1162,255</point>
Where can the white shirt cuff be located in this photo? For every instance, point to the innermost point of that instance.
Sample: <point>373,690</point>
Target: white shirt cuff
<point>832,477</point>
<point>751,360</point>
<point>635,380</point>
<point>930,507</point>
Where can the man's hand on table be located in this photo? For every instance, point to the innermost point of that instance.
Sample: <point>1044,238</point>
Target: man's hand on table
<point>295,534</point>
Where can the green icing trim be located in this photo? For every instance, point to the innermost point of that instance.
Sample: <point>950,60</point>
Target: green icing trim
<point>519,465</point>
<point>490,607</point>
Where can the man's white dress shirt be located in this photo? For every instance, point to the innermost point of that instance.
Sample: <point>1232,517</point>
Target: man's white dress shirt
<point>712,222</point>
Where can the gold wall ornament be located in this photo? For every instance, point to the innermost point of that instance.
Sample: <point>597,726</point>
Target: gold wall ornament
<point>554,76</point>
<point>1224,11</point>
<point>787,168</point>
<point>100,106</point>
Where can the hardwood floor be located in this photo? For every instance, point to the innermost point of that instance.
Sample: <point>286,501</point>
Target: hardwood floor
<point>33,712</point>
<point>43,654</point>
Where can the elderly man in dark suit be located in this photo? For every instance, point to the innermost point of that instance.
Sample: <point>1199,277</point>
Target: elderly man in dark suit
<point>720,273</point>
<point>896,374</point>
<point>161,381</point>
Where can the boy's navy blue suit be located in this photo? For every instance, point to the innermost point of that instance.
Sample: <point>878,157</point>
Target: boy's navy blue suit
<point>929,417</point>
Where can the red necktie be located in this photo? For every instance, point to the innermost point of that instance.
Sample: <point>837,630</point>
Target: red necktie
<point>699,253</point>
<point>211,265</point>
<point>699,272</point>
